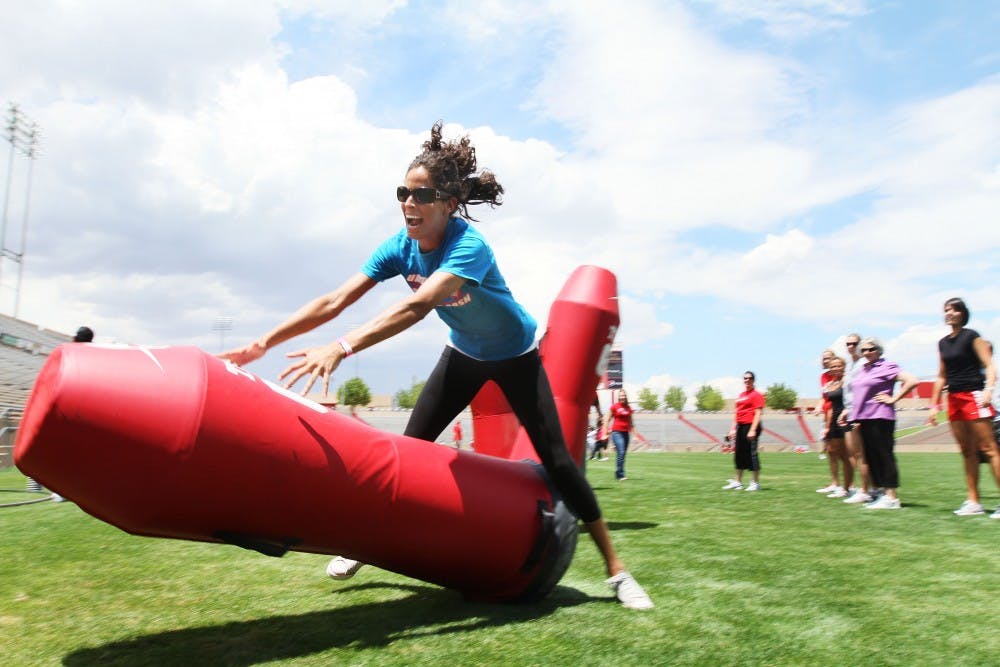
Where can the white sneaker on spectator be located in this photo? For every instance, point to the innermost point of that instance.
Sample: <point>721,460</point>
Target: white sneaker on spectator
<point>969,508</point>
<point>839,492</point>
<point>829,488</point>
<point>629,592</point>
<point>884,503</point>
<point>733,485</point>
<point>754,486</point>
<point>857,498</point>
<point>996,515</point>
<point>343,568</point>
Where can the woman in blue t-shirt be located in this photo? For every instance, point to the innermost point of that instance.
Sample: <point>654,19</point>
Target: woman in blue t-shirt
<point>451,270</point>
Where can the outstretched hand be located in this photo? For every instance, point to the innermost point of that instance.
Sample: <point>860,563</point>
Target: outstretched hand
<point>315,362</point>
<point>244,355</point>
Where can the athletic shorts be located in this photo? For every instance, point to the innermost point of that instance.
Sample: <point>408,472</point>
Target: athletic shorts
<point>964,406</point>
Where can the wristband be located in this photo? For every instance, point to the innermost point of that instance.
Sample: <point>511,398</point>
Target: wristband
<point>346,347</point>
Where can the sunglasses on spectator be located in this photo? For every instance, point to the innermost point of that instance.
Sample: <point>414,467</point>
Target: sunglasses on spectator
<point>851,344</point>
<point>869,349</point>
<point>422,195</point>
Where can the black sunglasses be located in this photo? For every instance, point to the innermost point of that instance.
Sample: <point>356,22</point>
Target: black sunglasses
<point>422,195</point>
<point>850,344</point>
<point>869,349</point>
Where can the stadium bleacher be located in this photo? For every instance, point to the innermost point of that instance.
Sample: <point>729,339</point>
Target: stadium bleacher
<point>23,350</point>
<point>24,347</point>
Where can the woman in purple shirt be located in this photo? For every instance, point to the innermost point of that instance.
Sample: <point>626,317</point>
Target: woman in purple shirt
<point>874,412</point>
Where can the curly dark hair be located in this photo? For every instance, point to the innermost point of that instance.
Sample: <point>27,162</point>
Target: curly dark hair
<point>452,168</point>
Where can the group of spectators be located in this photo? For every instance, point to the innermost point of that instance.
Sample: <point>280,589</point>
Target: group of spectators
<point>859,398</point>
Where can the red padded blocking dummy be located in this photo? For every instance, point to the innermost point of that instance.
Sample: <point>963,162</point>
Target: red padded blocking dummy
<point>173,442</point>
<point>582,325</point>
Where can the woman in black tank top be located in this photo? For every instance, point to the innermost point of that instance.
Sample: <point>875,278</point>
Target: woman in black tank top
<point>967,370</point>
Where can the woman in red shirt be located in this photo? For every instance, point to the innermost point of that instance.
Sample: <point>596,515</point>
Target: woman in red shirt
<point>620,418</point>
<point>746,429</point>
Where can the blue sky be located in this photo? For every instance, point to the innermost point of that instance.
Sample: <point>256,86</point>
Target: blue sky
<point>762,177</point>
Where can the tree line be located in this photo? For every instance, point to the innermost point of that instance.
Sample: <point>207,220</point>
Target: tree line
<point>355,392</point>
<point>709,399</point>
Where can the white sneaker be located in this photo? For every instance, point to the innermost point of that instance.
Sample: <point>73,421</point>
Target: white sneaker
<point>629,592</point>
<point>839,492</point>
<point>857,498</point>
<point>969,508</point>
<point>829,488</point>
<point>884,503</point>
<point>754,486</point>
<point>996,515</point>
<point>343,568</point>
<point>733,485</point>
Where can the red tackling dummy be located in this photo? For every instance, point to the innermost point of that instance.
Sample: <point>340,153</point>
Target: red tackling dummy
<point>173,442</point>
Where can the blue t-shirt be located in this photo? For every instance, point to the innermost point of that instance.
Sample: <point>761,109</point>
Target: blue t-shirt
<point>485,321</point>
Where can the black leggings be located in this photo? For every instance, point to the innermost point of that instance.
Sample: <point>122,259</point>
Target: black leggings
<point>745,451</point>
<point>879,440</point>
<point>457,379</point>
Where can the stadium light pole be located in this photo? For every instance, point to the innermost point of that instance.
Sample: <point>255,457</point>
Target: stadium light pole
<point>23,136</point>
<point>222,324</point>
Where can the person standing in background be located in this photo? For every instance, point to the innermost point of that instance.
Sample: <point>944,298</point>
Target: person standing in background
<point>967,369</point>
<point>875,413</point>
<point>620,419</point>
<point>746,433</point>
<point>84,335</point>
<point>600,448</point>
<point>824,410</point>
<point>833,434</point>
<point>852,436</point>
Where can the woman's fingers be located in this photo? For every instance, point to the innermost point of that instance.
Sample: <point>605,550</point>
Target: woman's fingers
<point>315,362</point>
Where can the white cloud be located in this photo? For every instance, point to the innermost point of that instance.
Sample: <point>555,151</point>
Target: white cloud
<point>794,19</point>
<point>640,323</point>
<point>162,54</point>
<point>367,14</point>
<point>184,170</point>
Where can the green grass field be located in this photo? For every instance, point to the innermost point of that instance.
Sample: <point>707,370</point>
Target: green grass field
<point>780,577</point>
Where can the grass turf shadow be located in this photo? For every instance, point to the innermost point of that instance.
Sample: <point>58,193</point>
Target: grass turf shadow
<point>631,525</point>
<point>426,611</point>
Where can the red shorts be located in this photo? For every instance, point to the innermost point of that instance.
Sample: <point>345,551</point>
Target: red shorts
<point>964,406</point>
